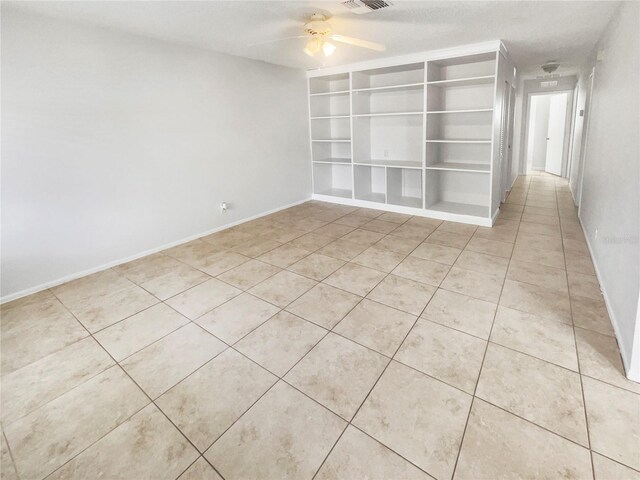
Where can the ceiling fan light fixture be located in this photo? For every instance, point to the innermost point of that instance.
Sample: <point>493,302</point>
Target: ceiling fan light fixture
<point>328,48</point>
<point>313,47</point>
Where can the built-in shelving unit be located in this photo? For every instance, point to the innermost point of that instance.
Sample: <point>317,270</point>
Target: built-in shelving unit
<point>418,136</point>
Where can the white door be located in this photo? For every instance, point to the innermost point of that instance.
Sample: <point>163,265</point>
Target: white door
<point>555,134</point>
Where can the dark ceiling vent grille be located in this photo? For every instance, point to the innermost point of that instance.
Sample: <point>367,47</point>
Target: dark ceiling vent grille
<point>376,4</point>
<point>365,6</point>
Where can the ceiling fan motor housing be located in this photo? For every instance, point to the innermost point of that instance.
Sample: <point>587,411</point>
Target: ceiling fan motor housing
<point>318,25</point>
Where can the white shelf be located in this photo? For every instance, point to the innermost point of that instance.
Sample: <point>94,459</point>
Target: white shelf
<point>471,110</point>
<point>333,160</point>
<point>416,138</point>
<point>461,167</point>
<point>464,82</point>
<point>405,187</point>
<point>414,202</point>
<point>390,76</point>
<point>341,92</point>
<point>336,192</point>
<point>372,197</point>
<point>329,117</point>
<point>459,141</point>
<point>460,208</point>
<point>406,86</point>
<point>391,163</point>
<point>390,114</point>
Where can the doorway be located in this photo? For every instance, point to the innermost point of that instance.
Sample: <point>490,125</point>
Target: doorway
<point>548,128</point>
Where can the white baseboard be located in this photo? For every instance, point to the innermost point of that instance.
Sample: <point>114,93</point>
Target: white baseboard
<point>631,367</point>
<point>420,212</point>
<point>115,263</point>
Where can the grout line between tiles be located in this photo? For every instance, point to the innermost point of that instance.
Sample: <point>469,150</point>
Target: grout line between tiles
<point>128,418</point>
<point>13,461</point>
<point>418,317</point>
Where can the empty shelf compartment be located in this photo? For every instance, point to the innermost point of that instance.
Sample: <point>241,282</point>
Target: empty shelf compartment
<point>460,126</point>
<point>333,180</point>
<point>404,187</point>
<point>396,139</point>
<point>459,156</point>
<point>339,152</point>
<point>389,76</point>
<point>406,100</point>
<point>331,128</point>
<point>469,66</point>
<point>329,105</point>
<point>462,193</point>
<point>460,97</point>
<point>329,84</point>
<point>370,183</point>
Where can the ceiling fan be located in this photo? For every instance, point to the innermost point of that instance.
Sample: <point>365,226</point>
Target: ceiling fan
<point>319,32</point>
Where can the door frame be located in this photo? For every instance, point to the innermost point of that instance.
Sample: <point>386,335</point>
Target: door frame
<point>526,86</point>
<point>507,166</point>
<point>568,126</point>
<point>585,135</point>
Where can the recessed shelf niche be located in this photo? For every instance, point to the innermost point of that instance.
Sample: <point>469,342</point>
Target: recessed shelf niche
<point>461,193</point>
<point>460,126</point>
<point>459,156</point>
<point>370,183</point>
<point>333,180</point>
<point>331,128</point>
<point>389,76</point>
<point>329,84</point>
<point>330,105</point>
<point>332,152</point>
<point>404,187</point>
<point>389,100</point>
<point>388,140</point>
<point>462,68</point>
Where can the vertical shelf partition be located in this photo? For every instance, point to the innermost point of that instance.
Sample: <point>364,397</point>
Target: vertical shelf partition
<point>416,138</point>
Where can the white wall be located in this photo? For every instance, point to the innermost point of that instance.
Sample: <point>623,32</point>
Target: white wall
<point>611,186</point>
<point>113,145</point>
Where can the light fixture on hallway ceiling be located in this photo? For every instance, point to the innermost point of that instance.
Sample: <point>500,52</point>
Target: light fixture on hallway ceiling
<point>550,67</point>
<point>318,31</point>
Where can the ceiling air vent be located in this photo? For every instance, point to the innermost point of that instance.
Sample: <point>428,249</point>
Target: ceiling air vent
<point>365,6</point>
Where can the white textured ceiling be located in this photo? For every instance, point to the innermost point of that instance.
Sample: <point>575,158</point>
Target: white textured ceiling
<point>533,31</point>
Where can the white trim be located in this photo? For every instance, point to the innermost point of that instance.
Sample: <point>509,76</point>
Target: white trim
<point>633,373</point>
<point>494,217</point>
<point>585,135</point>
<point>105,266</point>
<point>464,50</point>
<point>419,212</point>
<point>631,365</point>
<point>568,129</point>
<point>526,106</point>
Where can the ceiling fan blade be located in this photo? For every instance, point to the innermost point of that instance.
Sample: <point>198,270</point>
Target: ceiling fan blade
<point>276,40</point>
<point>358,43</point>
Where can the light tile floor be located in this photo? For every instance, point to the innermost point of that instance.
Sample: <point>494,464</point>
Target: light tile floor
<point>330,342</point>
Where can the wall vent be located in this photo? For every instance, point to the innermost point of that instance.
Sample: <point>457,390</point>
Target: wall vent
<point>365,6</point>
<point>549,83</point>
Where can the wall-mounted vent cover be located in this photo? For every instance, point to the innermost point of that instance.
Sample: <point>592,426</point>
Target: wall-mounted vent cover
<point>549,83</point>
<point>365,6</point>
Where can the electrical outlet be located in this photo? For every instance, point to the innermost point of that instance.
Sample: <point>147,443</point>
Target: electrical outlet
<point>386,154</point>
<point>223,207</point>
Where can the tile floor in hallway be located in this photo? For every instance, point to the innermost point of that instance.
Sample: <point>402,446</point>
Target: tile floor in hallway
<point>329,342</point>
